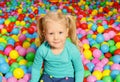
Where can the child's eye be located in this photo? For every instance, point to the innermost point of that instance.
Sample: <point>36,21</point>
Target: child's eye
<point>51,33</point>
<point>60,32</point>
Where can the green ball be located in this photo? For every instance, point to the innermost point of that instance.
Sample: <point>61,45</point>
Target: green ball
<point>87,73</point>
<point>107,79</point>
<point>19,58</point>
<point>96,45</point>
<point>111,42</point>
<point>117,79</point>
<point>30,56</point>
<point>29,64</point>
<point>112,49</point>
<point>14,65</point>
<point>89,35</point>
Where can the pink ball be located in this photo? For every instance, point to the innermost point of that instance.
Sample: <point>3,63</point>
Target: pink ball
<point>100,64</point>
<point>18,47</point>
<point>85,41</point>
<point>95,60</point>
<point>22,51</point>
<point>22,80</point>
<point>7,51</point>
<point>115,67</point>
<point>112,34</point>
<point>104,61</point>
<point>97,53</point>
<point>27,77</point>
<point>98,68</point>
<point>91,78</point>
<point>22,37</point>
<point>12,79</point>
<point>85,61</point>
<point>4,79</point>
<point>1,26</point>
<point>30,50</point>
<point>106,36</point>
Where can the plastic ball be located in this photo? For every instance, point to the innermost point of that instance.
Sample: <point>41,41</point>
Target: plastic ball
<point>13,54</point>
<point>8,75</point>
<point>7,50</point>
<point>22,62</point>
<point>104,48</point>
<point>91,78</point>
<point>112,49</point>
<point>106,73</point>
<point>87,73</point>
<point>31,30</point>
<point>86,46</point>
<point>87,54</point>
<point>117,45</point>
<point>115,67</point>
<point>107,79</point>
<point>27,77</point>
<point>100,29</point>
<point>4,68</point>
<point>2,60</point>
<point>97,74</point>
<point>116,59</point>
<point>117,38</point>
<point>106,36</point>
<point>99,38</point>
<point>30,56</point>
<point>90,66</point>
<point>114,73</point>
<point>18,73</point>
<point>26,44</point>
<point>22,37</point>
<point>12,79</point>
<point>117,52</point>
<point>111,42</point>
<point>22,51</point>
<point>97,53</point>
<point>117,79</point>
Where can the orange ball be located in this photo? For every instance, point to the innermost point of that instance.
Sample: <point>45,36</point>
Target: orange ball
<point>53,1</point>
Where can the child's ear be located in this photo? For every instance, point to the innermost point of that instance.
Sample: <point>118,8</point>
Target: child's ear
<point>67,32</point>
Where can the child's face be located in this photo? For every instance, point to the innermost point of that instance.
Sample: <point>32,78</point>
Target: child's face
<point>56,34</point>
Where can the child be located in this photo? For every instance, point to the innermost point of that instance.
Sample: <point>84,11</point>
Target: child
<point>61,57</point>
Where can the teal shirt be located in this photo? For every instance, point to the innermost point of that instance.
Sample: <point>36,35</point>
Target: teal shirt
<point>66,64</point>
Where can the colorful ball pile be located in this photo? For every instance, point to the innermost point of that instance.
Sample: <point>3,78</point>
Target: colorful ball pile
<point>98,28</point>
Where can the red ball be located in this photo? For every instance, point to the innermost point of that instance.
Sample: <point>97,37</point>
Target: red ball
<point>36,11</point>
<point>11,61</point>
<point>85,80</point>
<point>108,55</point>
<point>117,52</point>
<point>31,30</point>
<point>31,15</point>
<point>116,38</point>
<point>18,43</point>
<point>84,26</point>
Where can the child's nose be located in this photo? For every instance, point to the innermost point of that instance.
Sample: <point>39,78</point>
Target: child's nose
<point>56,36</point>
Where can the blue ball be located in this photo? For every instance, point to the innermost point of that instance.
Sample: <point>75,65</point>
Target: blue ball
<point>2,60</point>
<point>106,67</point>
<point>114,73</point>
<point>104,48</point>
<point>94,27</point>
<point>8,75</point>
<point>116,59</point>
<point>4,68</point>
<point>99,38</point>
<point>90,66</point>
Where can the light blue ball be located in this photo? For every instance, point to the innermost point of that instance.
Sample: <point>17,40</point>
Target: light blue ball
<point>114,73</point>
<point>94,27</point>
<point>4,68</point>
<point>104,48</point>
<point>2,60</point>
<point>99,38</point>
<point>90,66</point>
<point>8,75</point>
<point>116,59</point>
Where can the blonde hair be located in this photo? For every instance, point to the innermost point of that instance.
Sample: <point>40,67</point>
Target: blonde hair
<point>69,20</point>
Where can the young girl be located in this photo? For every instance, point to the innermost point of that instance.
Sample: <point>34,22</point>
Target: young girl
<point>61,57</point>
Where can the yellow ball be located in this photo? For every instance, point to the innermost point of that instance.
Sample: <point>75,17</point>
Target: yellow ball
<point>22,23</point>
<point>117,45</point>
<point>100,29</point>
<point>26,44</point>
<point>19,11</point>
<point>15,37</point>
<point>110,63</point>
<point>13,54</point>
<point>97,74</point>
<point>22,62</point>
<point>17,23</point>
<point>106,73</point>
<point>18,73</point>
<point>7,22</point>
<point>3,31</point>
<point>86,46</point>
<point>87,53</point>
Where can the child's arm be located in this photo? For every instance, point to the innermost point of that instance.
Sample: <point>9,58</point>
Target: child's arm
<point>35,75</point>
<point>78,66</point>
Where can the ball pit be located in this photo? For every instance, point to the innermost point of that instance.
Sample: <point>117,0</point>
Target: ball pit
<point>98,28</point>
